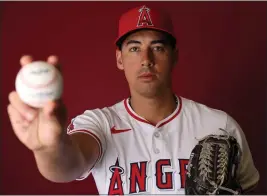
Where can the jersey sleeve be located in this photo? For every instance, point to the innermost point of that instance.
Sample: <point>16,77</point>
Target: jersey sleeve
<point>247,173</point>
<point>91,122</point>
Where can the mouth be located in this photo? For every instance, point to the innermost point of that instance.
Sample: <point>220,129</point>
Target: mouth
<point>147,76</point>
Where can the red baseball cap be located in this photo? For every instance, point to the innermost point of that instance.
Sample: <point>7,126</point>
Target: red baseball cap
<point>144,17</point>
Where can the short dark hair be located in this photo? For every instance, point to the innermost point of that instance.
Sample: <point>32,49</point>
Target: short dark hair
<point>170,39</point>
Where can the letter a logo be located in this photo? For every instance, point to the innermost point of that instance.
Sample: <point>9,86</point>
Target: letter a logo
<point>144,17</point>
<point>115,186</point>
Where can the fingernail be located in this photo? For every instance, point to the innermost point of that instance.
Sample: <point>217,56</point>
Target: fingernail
<point>30,116</point>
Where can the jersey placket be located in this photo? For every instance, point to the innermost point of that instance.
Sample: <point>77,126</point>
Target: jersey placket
<point>156,154</point>
<point>156,142</point>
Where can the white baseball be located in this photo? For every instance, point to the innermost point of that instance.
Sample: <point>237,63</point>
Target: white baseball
<point>38,82</point>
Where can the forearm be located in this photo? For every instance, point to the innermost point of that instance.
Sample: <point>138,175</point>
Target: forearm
<point>63,163</point>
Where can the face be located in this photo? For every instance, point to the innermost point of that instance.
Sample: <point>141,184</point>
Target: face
<point>147,60</point>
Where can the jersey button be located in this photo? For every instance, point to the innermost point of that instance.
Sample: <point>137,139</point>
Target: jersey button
<point>157,151</point>
<point>156,134</point>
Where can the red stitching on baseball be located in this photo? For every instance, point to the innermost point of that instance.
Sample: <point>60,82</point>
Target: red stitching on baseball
<point>37,86</point>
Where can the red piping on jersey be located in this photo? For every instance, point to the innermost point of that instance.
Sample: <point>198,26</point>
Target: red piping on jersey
<point>134,116</point>
<point>145,121</point>
<point>178,111</point>
<point>95,137</point>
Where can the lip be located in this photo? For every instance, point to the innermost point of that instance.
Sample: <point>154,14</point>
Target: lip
<point>146,75</point>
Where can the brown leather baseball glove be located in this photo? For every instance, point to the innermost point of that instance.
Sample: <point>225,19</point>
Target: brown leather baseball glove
<point>212,167</point>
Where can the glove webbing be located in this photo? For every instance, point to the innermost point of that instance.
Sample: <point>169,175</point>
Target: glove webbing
<point>205,157</point>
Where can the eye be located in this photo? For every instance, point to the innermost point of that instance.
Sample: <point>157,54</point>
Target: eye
<point>158,48</point>
<point>134,49</point>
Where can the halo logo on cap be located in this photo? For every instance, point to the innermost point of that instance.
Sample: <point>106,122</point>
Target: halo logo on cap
<point>144,17</point>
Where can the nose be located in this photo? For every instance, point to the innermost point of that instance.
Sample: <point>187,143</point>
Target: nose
<point>147,58</point>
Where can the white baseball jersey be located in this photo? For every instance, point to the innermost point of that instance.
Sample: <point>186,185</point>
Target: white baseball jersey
<point>140,157</point>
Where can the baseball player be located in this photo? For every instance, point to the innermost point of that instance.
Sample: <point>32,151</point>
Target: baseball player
<point>140,145</point>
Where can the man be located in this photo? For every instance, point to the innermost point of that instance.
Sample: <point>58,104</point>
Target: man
<point>141,144</point>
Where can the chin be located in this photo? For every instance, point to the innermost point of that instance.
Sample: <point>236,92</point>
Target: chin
<point>149,91</point>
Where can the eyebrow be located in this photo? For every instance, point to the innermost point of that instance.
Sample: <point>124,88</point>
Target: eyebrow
<point>160,41</point>
<point>133,42</point>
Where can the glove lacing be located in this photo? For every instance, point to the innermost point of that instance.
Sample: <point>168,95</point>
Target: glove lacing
<point>205,164</point>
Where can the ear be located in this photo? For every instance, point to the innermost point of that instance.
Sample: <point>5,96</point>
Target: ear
<point>119,59</point>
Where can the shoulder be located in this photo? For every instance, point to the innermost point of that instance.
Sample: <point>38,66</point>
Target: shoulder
<point>102,114</point>
<point>215,119</point>
<point>202,111</point>
<point>207,117</point>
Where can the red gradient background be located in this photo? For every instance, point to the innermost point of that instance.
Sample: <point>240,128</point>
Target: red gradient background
<point>222,63</point>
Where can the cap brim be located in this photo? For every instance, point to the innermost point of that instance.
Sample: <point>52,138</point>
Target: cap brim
<point>121,38</point>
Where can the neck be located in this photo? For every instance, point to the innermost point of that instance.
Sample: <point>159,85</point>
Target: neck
<point>154,109</point>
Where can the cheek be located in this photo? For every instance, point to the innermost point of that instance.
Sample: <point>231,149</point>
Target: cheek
<point>164,65</point>
<point>130,59</point>
<point>130,68</point>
